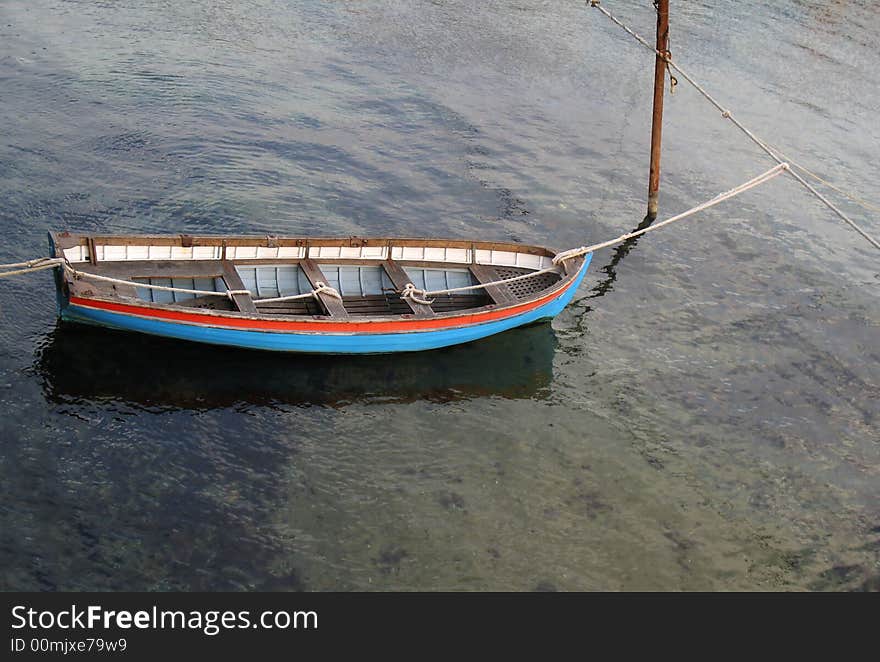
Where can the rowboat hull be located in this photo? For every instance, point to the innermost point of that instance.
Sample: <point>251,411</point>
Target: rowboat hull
<point>310,295</point>
<point>351,338</point>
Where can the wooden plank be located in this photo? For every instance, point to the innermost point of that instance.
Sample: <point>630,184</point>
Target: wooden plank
<point>572,266</point>
<point>458,243</point>
<point>263,240</point>
<point>332,305</point>
<point>93,253</point>
<point>399,278</point>
<point>244,302</point>
<point>376,305</point>
<point>63,240</point>
<point>300,307</point>
<point>453,303</point>
<point>90,288</point>
<point>158,269</point>
<point>144,269</point>
<point>214,303</point>
<point>500,294</point>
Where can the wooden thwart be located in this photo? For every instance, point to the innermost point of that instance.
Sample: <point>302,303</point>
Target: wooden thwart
<point>500,294</point>
<point>334,306</point>
<point>399,279</point>
<point>244,302</point>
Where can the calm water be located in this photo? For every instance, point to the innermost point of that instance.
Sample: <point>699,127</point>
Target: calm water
<point>704,416</point>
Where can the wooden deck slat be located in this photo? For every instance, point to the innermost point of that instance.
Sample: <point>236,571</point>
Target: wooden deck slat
<point>214,303</point>
<point>500,294</point>
<point>87,288</point>
<point>285,304</point>
<point>157,269</point>
<point>244,302</point>
<point>298,312</point>
<point>334,306</point>
<point>399,278</point>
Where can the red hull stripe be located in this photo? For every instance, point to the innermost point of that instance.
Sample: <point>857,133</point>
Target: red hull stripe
<point>318,326</point>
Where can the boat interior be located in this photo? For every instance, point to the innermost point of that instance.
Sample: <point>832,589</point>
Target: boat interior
<point>367,273</point>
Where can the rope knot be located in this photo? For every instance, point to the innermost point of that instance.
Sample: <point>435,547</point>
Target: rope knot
<point>322,288</point>
<point>415,295</point>
<point>725,114</point>
<point>573,252</point>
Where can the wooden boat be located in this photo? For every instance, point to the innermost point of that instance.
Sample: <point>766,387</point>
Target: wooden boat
<point>326,296</point>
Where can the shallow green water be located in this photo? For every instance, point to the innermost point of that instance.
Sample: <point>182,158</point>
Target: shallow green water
<point>704,416</point>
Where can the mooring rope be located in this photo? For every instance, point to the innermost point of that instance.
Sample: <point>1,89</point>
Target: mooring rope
<point>410,291</point>
<point>725,113</point>
<point>421,296</point>
<point>30,266</point>
<point>721,197</point>
<point>851,196</point>
<point>32,263</point>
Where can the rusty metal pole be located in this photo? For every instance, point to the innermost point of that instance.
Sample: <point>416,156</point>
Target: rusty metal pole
<point>657,122</point>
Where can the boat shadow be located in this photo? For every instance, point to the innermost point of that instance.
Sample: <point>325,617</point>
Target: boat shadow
<point>80,364</point>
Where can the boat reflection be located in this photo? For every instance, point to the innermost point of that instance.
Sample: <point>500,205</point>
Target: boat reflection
<point>80,364</point>
<point>610,270</point>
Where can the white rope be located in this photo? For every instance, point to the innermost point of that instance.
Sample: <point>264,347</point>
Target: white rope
<point>851,196</point>
<point>161,288</point>
<point>31,265</point>
<point>320,288</point>
<point>420,296</point>
<point>721,197</point>
<point>292,297</point>
<point>410,291</point>
<point>725,113</point>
